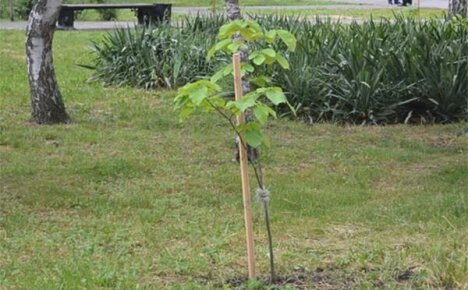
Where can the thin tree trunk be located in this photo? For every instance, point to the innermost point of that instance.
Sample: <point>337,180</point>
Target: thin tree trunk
<point>458,7</point>
<point>46,99</point>
<point>12,10</point>
<point>233,12</point>
<point>233,9</point>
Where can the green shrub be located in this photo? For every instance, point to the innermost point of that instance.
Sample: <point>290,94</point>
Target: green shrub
<point>379,72</point>
<point>4,9</point>
<point>165,57</point>
<point>376,72</point>
<point>23,8</point>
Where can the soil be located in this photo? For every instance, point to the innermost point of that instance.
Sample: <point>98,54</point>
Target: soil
<point>320,278</point>
<point>300,278</point>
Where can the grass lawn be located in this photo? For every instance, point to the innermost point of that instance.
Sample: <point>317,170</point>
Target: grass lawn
<point>126,197</point>
<point>360,13</point>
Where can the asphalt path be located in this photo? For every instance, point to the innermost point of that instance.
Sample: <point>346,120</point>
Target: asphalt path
<point>353,4</point>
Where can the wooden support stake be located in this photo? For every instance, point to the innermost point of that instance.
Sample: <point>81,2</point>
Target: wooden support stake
<point>236,61</point>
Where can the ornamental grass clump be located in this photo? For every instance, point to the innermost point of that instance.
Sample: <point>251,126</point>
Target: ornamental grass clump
<point>374,72</point>
<point>379,72</point>
<point>164,57</point>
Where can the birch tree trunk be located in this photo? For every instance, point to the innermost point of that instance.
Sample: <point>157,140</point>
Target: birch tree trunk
<point>458,7</point>
<point>46,99</point>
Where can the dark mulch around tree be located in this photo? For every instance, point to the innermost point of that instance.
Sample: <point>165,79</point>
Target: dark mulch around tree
<point>320,278</point>
<point>300,278</point>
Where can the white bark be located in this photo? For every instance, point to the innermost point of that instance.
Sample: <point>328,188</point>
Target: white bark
<point>46,99</point>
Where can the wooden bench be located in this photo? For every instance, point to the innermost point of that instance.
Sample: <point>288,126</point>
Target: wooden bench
<point>146,13</point>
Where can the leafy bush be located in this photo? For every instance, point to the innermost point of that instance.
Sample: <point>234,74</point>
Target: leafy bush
<point>23,8</point>
<point>376,72</point>
<point>4,9</point>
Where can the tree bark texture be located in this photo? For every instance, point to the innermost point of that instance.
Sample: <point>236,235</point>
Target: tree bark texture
<point>458,7</point>
<point>46,99</point>
<point>233,9</point>
<point>233,12</point>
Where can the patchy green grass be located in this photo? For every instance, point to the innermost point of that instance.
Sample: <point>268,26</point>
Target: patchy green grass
<point>390,13</point>
<point>126,197</point>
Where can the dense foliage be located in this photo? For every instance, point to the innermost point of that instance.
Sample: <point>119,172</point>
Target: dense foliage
<point>21,9</point>
<point>209,95</point>
<point>373,72</point>
<point>164,57</point>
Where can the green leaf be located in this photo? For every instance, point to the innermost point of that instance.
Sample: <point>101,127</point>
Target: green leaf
<point>217,76</point>
<point>198,94</point>
<point>261,112</point>
<point>227,70</point>
<point>292,108</point>
<point>234,47</point>
<point>259,59</point>
<point>283,62</point>
<point>270,36</point>
<point>218,102</point>
<point>254,54</point>
<point>245,103</point>
<point>275,95</point>
<point>255,26</point>
<point>248,29</point>
<point>246,67</point>
<point>247,34</point>
<point>219,46</point>
<point>228,30</point>
<point>252,31</point>
<point>253,136</point>
<point>288,38</point>
<point>185,112</point>
<point>260,81</point>
<point>269,52</point>
<point>180,101</point>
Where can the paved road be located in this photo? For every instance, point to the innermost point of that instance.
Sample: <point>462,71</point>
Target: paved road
<point>353,4</point>
<point>424,3</point>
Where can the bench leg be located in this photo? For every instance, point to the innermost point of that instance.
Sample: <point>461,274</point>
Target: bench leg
<point>156,14</point>
<point>143,16</point>
<point>66,18</point>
